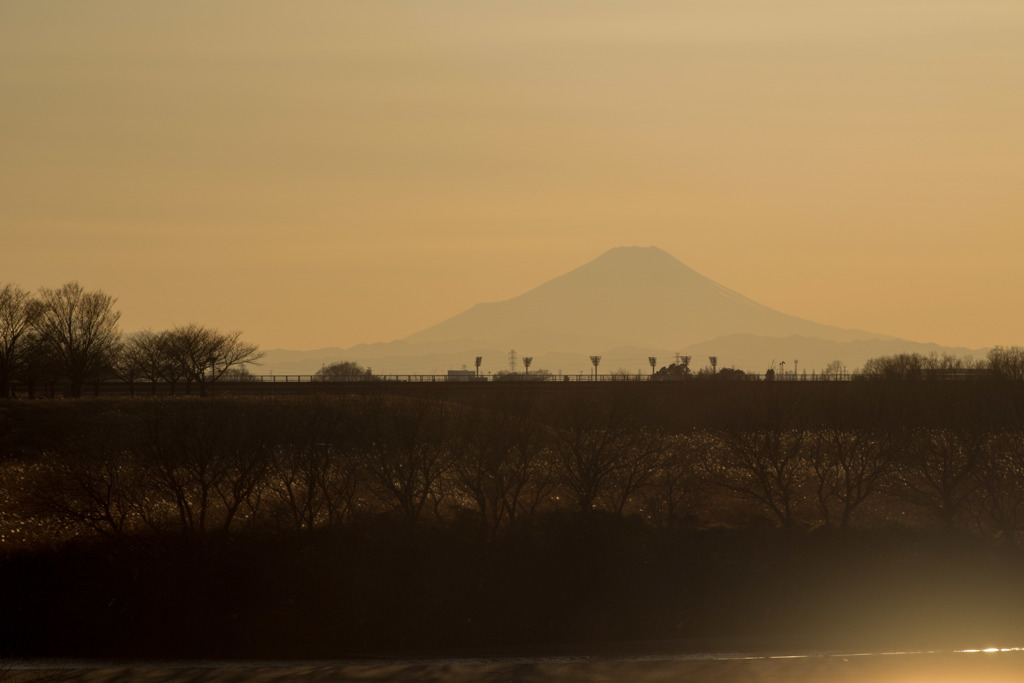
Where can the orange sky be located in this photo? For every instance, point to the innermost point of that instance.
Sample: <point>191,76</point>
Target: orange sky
<point>329,173</point>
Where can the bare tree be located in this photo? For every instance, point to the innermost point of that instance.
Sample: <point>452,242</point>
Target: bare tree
<point>167,363</point>
<point>203,354</point>
<point>1001,479</point>
<point>90,480</point>
<point>640,459</point>
<point>403,454</point>
<point>939,472</point>
<point>678,488</point>
<point>315,482</point>
<point>1007,363</point>
<point>79,329</point>
<point>313,469</point>
<point>38,370</point>
<point>587,458</point>
<point>591,443</point>
<point>833,371</point>
<point>767,466</point>
<point>207,463</point>
<point>132,359</point>
<point>499,462</point>
<point>88,477</point>
<point>18,313</point>
<point>849,467</point>
<point>148,349</point>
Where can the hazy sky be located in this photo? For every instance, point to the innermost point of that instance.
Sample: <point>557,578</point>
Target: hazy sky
<point>328,173</point>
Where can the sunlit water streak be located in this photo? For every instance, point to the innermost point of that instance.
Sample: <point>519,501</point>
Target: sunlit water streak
<point>986,665</point>
<point>86,665</point>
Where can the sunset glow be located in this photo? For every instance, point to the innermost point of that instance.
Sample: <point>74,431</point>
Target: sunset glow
<point>336,173</point>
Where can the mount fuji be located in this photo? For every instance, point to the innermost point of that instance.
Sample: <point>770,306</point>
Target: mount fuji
<point>627,305</point>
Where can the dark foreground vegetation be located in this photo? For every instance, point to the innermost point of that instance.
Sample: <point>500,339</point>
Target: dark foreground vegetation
<point>833,514</point>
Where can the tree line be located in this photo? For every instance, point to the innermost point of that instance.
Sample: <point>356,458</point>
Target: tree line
<point>184,467</point>
<point>410,518</point>
<point>1000,362</point>
<point>1005,363</point>
<point>70,335</point>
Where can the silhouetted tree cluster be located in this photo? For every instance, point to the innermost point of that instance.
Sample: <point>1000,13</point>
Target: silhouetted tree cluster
<point>915,366</point>
<point>731,373</point>
<point>1007,363</point>
<point>18,315</point>
<point>833,371</point>
<point>70,335</point>
<point>192,355</point>
<point>680,370</point>
<point>61,334</point>
<point>185,467</point>
<point>533,375</point>
<point>343,371</point>
<point>797,458</point>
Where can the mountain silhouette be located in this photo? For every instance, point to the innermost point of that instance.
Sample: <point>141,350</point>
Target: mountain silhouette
<point>628,296</point>
<point>626,305</point>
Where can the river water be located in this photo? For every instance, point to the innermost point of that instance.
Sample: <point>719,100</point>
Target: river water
<point>992,665</point>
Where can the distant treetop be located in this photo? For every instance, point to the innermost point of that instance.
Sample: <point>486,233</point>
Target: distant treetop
<point>342,370</point>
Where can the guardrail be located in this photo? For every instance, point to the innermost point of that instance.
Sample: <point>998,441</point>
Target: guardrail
<point>591,377</point>
<point>498,379</point>
<point>560,377</point>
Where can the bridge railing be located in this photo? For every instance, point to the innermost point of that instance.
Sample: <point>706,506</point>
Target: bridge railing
<point>499,379</point>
